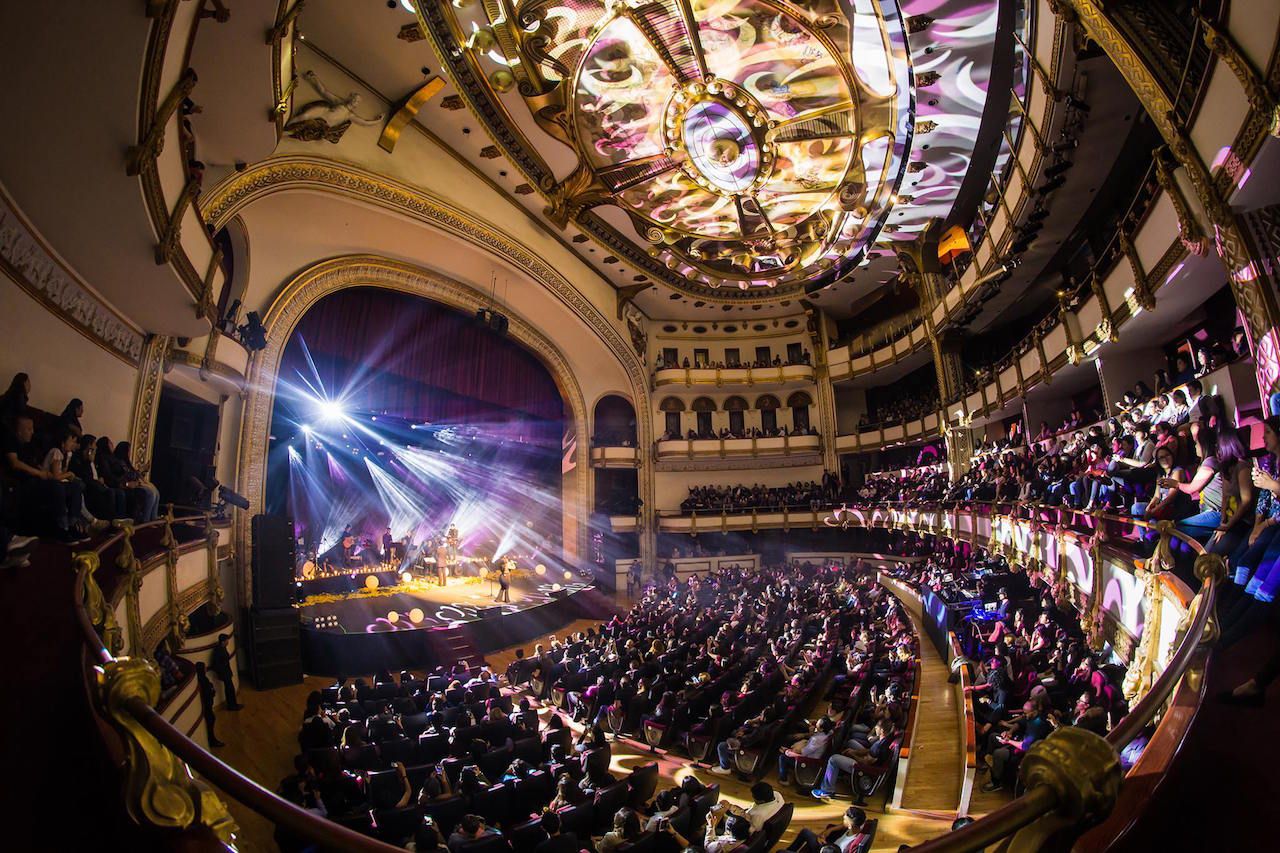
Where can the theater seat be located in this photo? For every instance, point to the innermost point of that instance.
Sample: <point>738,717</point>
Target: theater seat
<point>493,804</point>
<point>488,844</point>
<point>579,819</point>
<point>643,782</point>
<point>776,825</point>
<point>608,801</point>
<point>703,803</point>
<point>446,813</point>
<point>525,837</point>
<point>646,843</point>
<point>395,826</point>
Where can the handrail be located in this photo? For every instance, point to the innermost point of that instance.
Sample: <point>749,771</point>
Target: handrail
<point>274,808</point>
<point>327,834</point>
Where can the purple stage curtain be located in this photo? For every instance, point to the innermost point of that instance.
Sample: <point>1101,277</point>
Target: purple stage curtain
<point>411,357</point>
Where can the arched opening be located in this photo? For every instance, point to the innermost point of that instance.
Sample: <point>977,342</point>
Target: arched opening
<point>703,408</point>
<point>799,403</point>
<point>672,407</point>
<point>768,406</point>
<point>614,420</point>
<point>737,408</point>
<point>395,411</point>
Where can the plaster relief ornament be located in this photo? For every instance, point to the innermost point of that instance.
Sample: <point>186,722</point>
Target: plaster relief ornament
<point>328,118</point>
<point>752,146</point>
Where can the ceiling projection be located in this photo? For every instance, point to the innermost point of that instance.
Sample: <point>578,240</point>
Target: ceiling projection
<point>754,144</point>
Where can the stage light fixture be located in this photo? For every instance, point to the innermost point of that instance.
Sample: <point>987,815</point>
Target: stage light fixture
<point>416,615</point>
<point>568,575</point>
<point>539,569</point>
<point>393,617</point>
<point>371,582</point>
<point>330,410</point>
<point>555,587</point>
<point>306,429</point>
<point>406,576</point>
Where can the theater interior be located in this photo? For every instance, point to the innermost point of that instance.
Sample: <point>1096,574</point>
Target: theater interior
<point>638,426</point>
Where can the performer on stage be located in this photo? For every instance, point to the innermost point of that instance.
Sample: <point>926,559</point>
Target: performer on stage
<point>387,542</point>
<point>504,582</point>
<point>340,554</point>
<point>442,563</point>
<point>452,540</point>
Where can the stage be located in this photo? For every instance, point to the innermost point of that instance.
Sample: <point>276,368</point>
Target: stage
<point>418,624</point>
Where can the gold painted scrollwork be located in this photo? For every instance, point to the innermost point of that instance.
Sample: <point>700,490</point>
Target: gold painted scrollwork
<point>159,788</point>
<point>1081,767</point>
<point>100,613</point>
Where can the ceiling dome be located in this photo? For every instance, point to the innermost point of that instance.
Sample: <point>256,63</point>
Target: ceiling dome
<point>753,144</point>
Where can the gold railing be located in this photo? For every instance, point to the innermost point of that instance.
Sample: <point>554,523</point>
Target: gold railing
<point>160,789</point>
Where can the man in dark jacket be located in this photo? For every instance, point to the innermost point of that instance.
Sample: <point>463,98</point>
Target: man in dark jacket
<point>220,663</point>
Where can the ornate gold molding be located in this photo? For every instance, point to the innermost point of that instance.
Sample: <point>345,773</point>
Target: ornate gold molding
<point>159,788</point>
<point>146,398</point>
<point>327,277</point>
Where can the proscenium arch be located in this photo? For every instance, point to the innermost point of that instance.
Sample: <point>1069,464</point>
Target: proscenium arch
<point>327,277</point>
<point>315,174</point>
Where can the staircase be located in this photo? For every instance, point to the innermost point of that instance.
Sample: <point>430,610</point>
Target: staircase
<point>453,645</point>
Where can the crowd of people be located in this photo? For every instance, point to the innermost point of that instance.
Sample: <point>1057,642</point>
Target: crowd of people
<point>798,495</point>
<point>1034,671</point>
<point>724,666</point>
<point>59,481</point>
<point>903,408</point>
<point>665,362</point>
<point>746,432</point>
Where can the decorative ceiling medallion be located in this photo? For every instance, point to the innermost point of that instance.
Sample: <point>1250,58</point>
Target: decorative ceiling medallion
<point>452,102</point>
<point>753,144</point>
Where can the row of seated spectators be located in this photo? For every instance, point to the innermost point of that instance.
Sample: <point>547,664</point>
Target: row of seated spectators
<point>449,760</point>
<point>746,432</point>
<point>1034,671</point>
<point>908,407</point>
<point>737,659</point>
<point>798,495</point>
<point>665,363</point>
<point>58,481</point>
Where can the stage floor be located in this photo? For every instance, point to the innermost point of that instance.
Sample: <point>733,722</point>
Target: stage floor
<point>420,603</point>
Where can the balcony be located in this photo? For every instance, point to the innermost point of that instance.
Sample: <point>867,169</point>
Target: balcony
<point>615,456</point>
<point>889,435</point>
<point>734,377</point>
<point>803,445</point>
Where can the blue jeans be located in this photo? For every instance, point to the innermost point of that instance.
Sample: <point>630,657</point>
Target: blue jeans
<point>1247,558</point>
<point>836,765</point>
<point>1202,525</point>
<point>725,755</point>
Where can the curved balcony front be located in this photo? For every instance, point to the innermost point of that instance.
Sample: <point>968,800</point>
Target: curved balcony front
<point>738,448</point>
<point>615,456</point>
<point>734,377</point>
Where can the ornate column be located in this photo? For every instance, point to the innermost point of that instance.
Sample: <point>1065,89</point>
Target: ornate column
<point>828,429</point>
<point>146,397</point>
<point>1256,300</point>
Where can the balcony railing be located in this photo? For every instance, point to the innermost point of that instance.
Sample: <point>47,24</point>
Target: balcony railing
<point>729,448</point>
<point>734,377</point>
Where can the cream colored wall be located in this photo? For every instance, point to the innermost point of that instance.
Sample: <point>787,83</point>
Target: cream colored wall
<point>293,230</point>
<point>63,364</point>
<point>421,163</point>
<point>672,487</point>
<point>851,403</point>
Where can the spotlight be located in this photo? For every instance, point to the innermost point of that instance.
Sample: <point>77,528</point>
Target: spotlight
<point>330,410</point>
<point>539,569</point>
<point>568,575</point>
<point>406,576</point>
<point>371,582</point>
<point>416,615</point>
<point>306,429</point>
<point>393,617</point>
<point>555,587</point>
<point>233,498</point>
<point>1050,185</point>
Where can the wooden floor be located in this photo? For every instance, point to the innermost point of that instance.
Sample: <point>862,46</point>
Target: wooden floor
<point>936,767</point>
<point>262,740</point>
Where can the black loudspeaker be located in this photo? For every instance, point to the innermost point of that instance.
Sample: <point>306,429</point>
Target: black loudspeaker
<point>490,612</point>
<point>275,648</point>
<point>273,561</point>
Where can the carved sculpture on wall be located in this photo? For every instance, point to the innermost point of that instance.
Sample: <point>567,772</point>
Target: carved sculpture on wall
<point>327,118</point>
<point>635,327</point>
